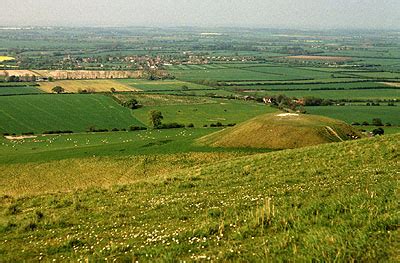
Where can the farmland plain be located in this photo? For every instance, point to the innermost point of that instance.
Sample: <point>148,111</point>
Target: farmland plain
<point>109,193</point>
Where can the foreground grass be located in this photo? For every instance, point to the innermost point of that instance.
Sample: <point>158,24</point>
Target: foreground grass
<point>334,202</point>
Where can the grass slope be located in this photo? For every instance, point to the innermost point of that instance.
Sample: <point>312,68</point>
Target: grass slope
<point>333,202</point>
<point>39,113</point>
<point>281,131</point>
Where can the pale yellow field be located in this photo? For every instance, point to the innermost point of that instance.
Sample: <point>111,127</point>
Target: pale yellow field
<point>392,84</point>
<point>89,85</point>
<point>5,58</point>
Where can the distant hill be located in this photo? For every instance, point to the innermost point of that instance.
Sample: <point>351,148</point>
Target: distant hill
<point>282,131</point>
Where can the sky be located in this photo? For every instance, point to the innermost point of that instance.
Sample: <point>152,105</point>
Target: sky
<point>304,14</point>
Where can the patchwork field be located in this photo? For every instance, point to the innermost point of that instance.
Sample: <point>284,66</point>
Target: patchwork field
<point>39,113</point>
<point>74,86</point>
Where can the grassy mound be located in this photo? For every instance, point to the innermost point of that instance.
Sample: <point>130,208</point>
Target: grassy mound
<point>332,202</point>
<point>282,131</point>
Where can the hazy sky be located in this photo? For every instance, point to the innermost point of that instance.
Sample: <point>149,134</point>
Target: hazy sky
<point>168,13</point>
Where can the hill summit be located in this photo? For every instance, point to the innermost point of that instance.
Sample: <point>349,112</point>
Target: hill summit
<point>282,131</point>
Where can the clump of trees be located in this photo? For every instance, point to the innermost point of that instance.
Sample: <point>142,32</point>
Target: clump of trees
<point>314,101</point>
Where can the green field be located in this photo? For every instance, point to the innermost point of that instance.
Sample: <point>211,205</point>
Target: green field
<point>232,74</point>
<point>45,148</point>
<point>162,85</point>
<point>224,111</point>
<point>19,90</point>
<point>359,114</point>
<point>320,86</point>
<point>367,94</point>
<point>39,113</point>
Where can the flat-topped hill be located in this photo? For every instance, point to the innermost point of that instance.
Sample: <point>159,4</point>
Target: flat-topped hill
<point>282,131</point>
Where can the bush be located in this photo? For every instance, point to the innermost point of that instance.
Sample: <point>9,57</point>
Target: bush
<point>137,128</point>
<point>28,133</point>
<point>365,123</point>
<point>205,125</point>
<point>58,132</point>
<point>355,123</point>
<point>172,125</point>
<point>190,125</point>
<point>378,131</point>
<point>115,129</point>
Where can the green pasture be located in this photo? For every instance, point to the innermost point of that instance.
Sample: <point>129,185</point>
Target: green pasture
<point>224,111</point>
<point>365,94</point>
<point>359,114</point>
<point>162,85</point>
<point>19,90</point>
<point>77,112</point>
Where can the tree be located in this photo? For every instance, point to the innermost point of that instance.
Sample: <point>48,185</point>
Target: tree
<point>377,122</point>
<point>58,89</point>
<point>113,90</point>
<point>155,118</point>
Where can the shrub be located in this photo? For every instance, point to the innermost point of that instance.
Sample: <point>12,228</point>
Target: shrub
<point>172,125</point>
<point>115,129</point>
<point>355,123</point>
<point>378,131</point>
<point>190,125</point>
<point>137,128</point>
<point>365,123</point>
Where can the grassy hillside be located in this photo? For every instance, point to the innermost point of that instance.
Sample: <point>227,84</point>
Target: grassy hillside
<point>39,113</point>
<point>282,131</point>
<point>333,202</point>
